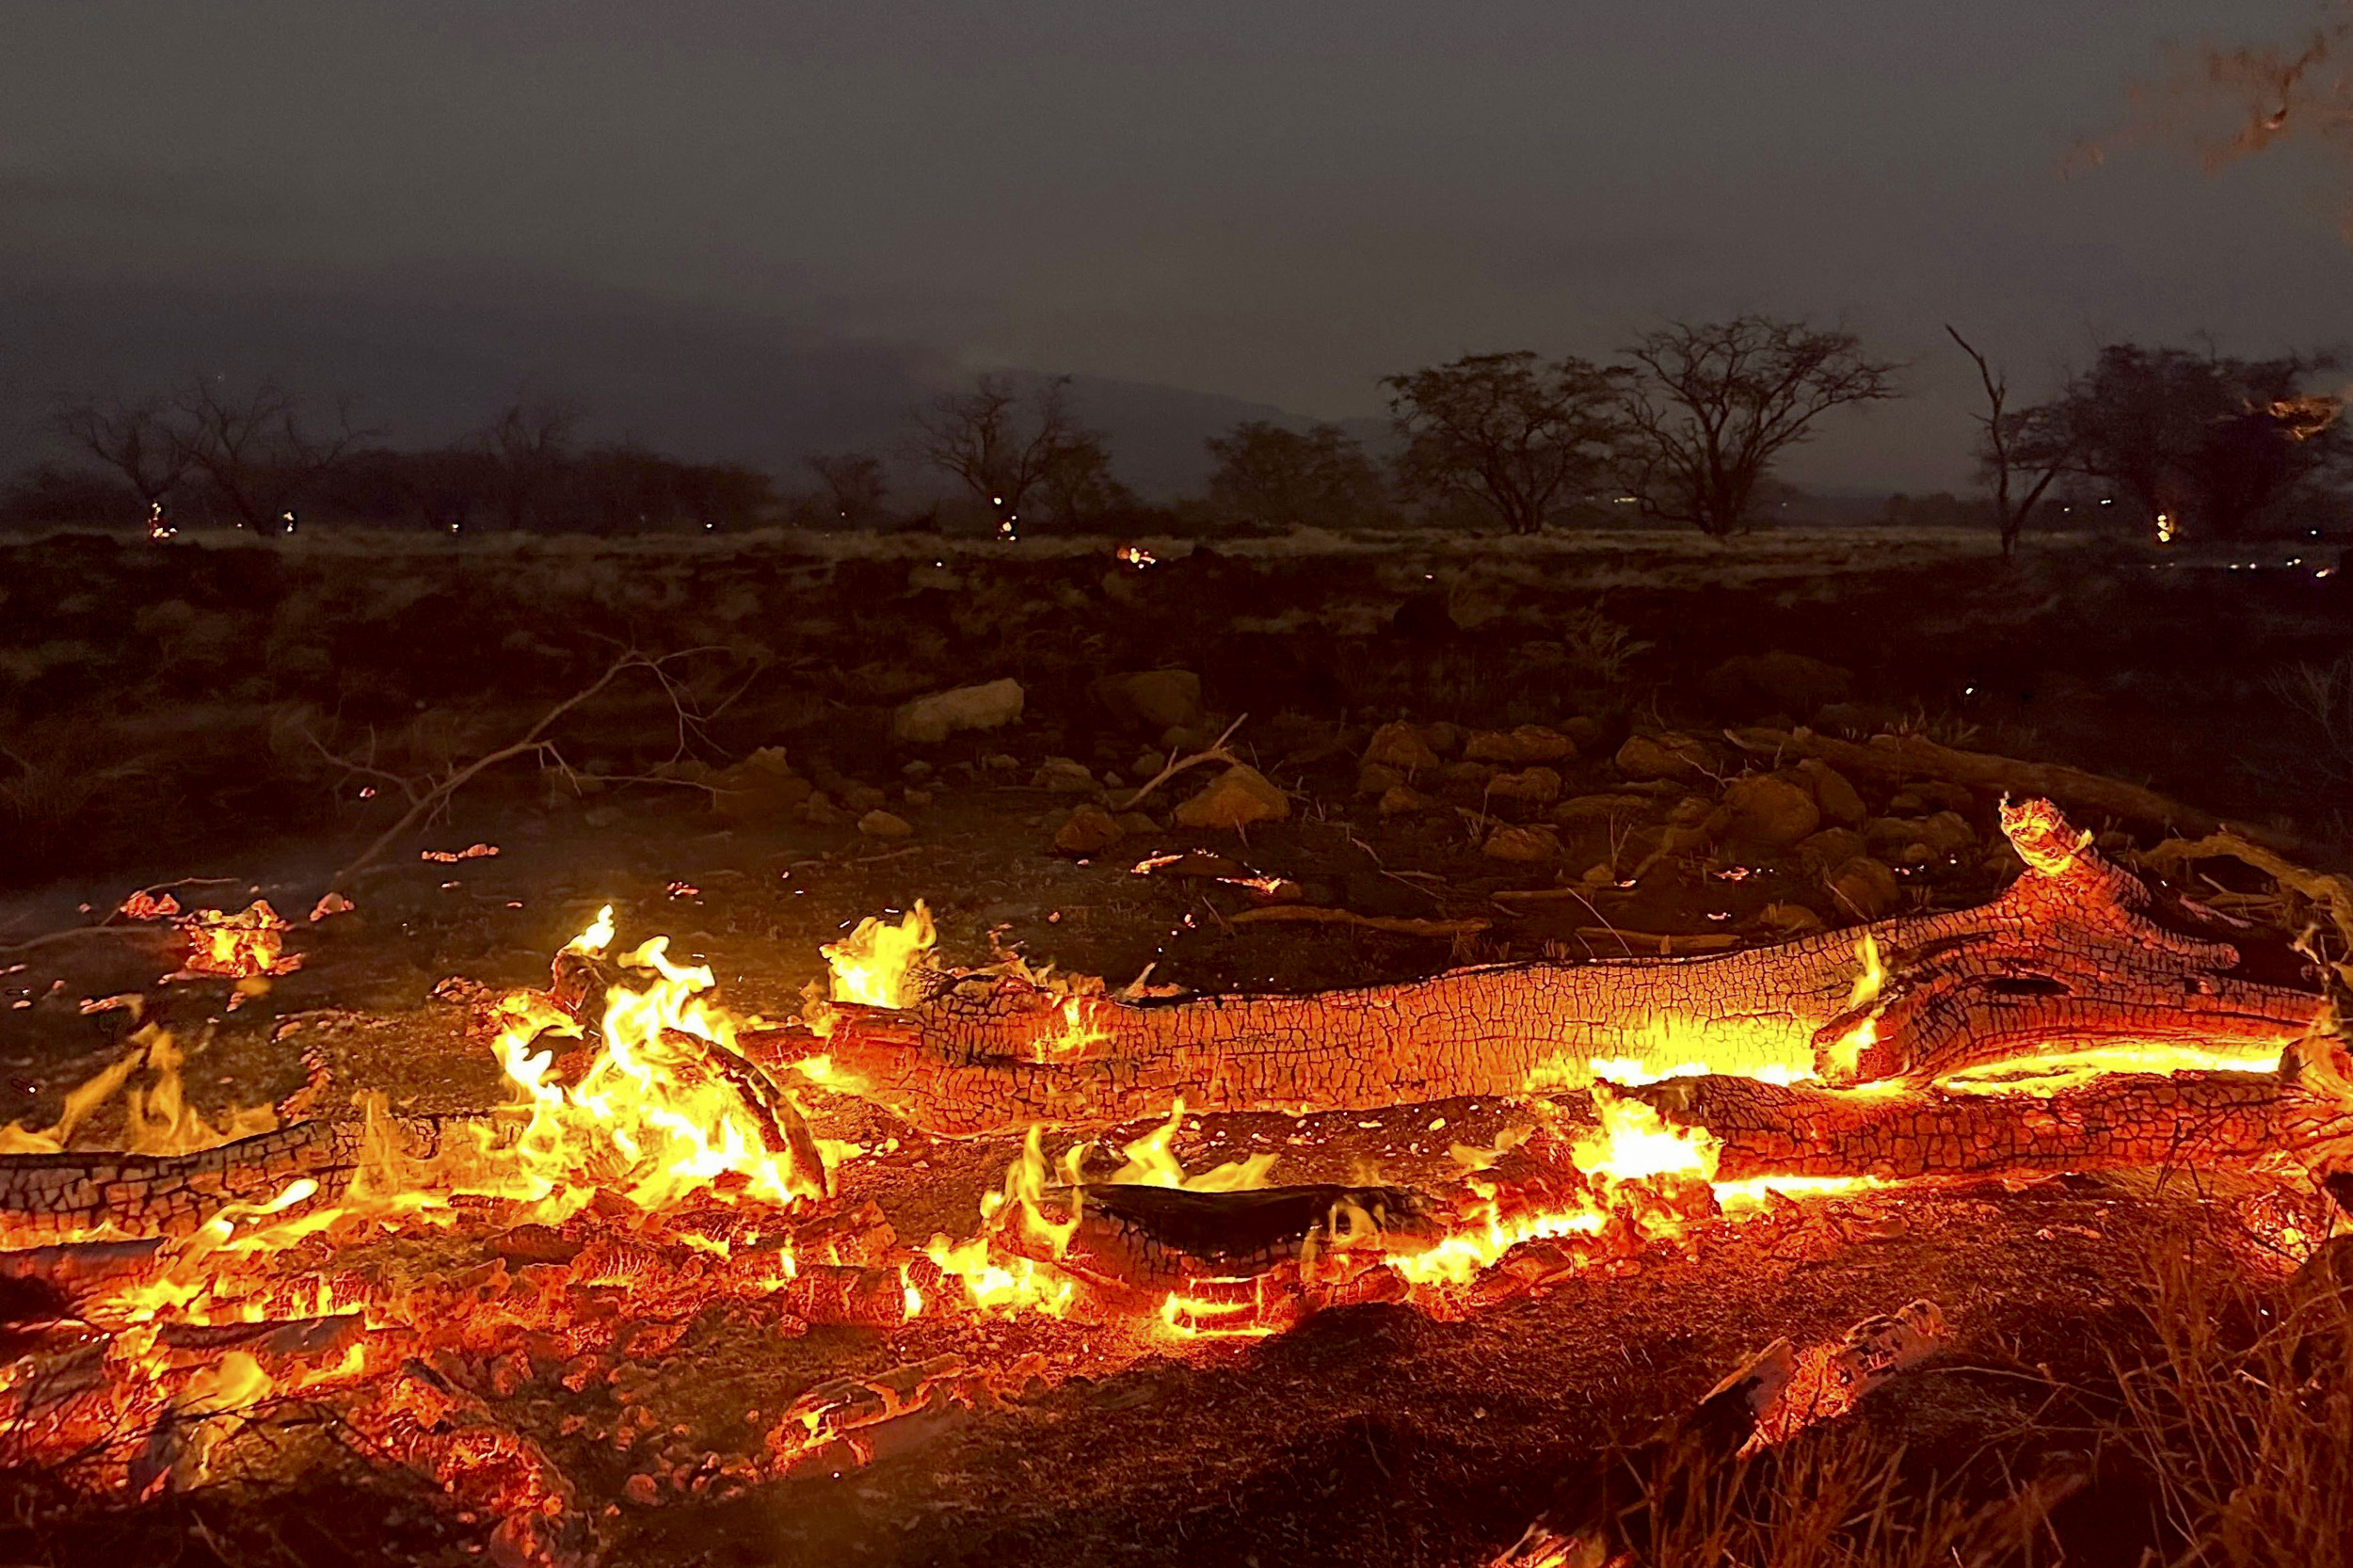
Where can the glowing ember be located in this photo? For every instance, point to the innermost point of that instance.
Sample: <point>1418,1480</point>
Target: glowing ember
<point>246,945</point>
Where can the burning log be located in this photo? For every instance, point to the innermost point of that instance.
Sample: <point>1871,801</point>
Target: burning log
<point>2069,957</point>
<point>2115,1122</point>
<point>49,1282</point>
<point>171,1195</point>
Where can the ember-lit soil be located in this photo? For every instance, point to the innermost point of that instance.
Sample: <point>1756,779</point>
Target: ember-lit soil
<point>1428,1432</point>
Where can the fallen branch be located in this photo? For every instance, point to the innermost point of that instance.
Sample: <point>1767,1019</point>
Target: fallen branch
<point>430,801</point>
<point>1216,752</point>
<point>1307,914</point>
<point>1905,757</point>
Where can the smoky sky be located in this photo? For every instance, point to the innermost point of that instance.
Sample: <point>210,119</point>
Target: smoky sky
<point>1278,202</point>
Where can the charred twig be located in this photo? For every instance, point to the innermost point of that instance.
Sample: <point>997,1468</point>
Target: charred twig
<point>533,742</point>
<point>1307,914</point>
<point>1216,752</point>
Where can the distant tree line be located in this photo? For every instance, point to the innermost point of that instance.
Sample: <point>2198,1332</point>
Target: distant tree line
<point>1683,427</point>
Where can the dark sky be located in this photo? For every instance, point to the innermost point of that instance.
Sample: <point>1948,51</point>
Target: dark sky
<point>1274,200</point>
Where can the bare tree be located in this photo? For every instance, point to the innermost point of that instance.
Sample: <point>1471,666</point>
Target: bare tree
<point>2032,446</point>
<point>257,449</point>
<point>1515,434</point>
<point>1270,477</point>
<point>853,486</point>
<point>1004,446</point>
<point>139,439</point>
<point>530,446</point>
<point>1712,405</point>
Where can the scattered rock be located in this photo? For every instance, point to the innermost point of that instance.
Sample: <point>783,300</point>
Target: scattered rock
<point>1400,745</point>
<point>999,761</point>
<point>1154,700</point>
<point>1915,841</point>
<point>1924,795</point>
<point>1585,810</point>
<point>1584,734</point>
<point>1518,748</point>
<point>861,798</point>
<point>820,812</point>
<point>881,824</point>
<point>1236,798</point>
<point>914,796</point>
<point>1136,822</point>
<point>1865,888</point>
<point>1148,763</point>
<point>1522,844</point>
<point>1837,797</point>
<point>1789,920</point>
<point>1441,736</point>
<point>1401,800</point>
<point>1664,756</point>
<point>1770,810</point>
<point>1467,775</point>
<point>1374,779</point>
<point>1088,829</point>
<point>1830,848</point>
<point>1064,776</point>
<point>929,720</point>
<point>760,788</point>
<point>1749,684</point>
<point>1532,786</point>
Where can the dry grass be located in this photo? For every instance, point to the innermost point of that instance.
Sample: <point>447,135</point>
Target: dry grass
<point>2240,1409</point>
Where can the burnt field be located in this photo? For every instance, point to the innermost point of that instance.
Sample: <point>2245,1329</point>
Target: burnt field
<point>1360,1039</point>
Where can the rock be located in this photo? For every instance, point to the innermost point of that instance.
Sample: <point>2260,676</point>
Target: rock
<point>1750,685</point>
<point>1857,720</point>
<point>1400,747</point>
<point>1837,797</point>
<point>1865,888</point>
<point>1949,833</point>
<point>1403,800</point>
<point>1153,700</point>
<point>929,720</point>
<point>1088,829</point>
<point>1924,795</point>
<point>1064,776</point>
<point>1136,822</point>
<point>881,824</point>
<point>861,798</point>
<point>1522,845</point>
<point>1235,799</point>
<point>1664,756</point>
<point>914,797</point>
<point>1376,778</point>
<point>1584,734</point>
<point>1595,810</point>
<point>1789,920</point>
<point>760,788</point>
<point>1532,786</point>
<point>1472,775</point>
<point>1770,811</point>
<point>999,761</point>
<point>1441,736</point>
<point>1830,848</point>
<point>1518,748</point>
<point>1148,763</point>
<point>820,812</point>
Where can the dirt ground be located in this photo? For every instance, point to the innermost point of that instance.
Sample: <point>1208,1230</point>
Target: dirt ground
<point>235,721</point>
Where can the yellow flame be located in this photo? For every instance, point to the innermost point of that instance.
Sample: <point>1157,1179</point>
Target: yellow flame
<point>873,963</point>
